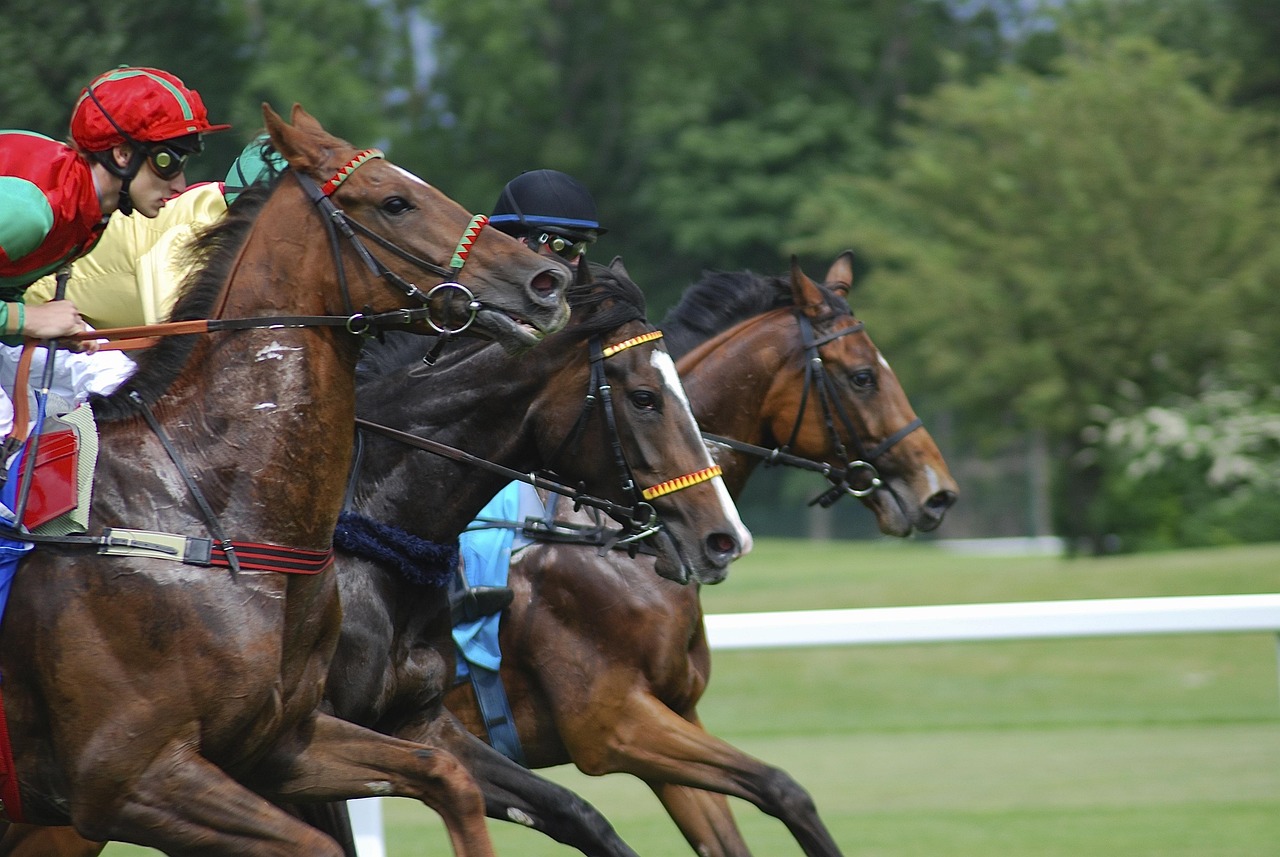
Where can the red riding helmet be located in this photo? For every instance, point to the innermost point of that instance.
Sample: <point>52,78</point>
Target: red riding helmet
<point>138,105</point>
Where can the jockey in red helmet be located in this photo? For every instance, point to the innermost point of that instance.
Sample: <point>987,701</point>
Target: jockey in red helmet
<point>132,130</point>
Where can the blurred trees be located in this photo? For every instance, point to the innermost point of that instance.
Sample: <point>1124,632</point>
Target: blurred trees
<point>1067,205</point>
<point>1053,245</point>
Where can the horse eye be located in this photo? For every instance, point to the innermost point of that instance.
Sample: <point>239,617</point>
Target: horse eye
<point>396,205</point>
<point>864,378</point>
<point>645,399</point>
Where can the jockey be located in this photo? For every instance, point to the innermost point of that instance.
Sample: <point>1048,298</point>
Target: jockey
<point>132,131</point>
<point>550,211</point>
<point>133,273</point>
<point>553,213</point>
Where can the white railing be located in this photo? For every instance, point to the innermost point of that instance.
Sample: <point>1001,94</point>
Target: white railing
<point>1202,614</point>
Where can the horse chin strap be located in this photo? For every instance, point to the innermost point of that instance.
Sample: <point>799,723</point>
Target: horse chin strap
<point>337,221</point>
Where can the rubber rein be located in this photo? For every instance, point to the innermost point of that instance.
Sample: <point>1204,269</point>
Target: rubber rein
<point>218,550</point>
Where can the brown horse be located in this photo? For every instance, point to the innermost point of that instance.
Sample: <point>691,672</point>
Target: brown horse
<point>395,657</point>
<point>631,658</point>
<point>168,703</point>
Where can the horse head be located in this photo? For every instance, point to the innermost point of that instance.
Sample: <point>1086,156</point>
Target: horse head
<point>402,229</point>
<point>637,424</point>
<point>842,404</point>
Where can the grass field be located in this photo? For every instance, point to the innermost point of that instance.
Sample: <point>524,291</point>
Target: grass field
<point>1163,745</point>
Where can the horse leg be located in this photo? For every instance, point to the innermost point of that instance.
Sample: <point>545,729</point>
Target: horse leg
<point>650,741</point>
<point>516,794</point>
<point>342,760</point>
<point>25,840</point>
<point>704,818</point>
<point>183,804</point>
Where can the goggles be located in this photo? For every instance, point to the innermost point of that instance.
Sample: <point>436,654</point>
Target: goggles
<point>166,161</point>
<point>563,247</point>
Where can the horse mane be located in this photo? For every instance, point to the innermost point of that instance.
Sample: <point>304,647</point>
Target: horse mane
<point>212,252</point>
<point>722,299</point>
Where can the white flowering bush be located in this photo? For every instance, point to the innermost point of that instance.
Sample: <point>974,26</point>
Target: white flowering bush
<point>1202,470</point>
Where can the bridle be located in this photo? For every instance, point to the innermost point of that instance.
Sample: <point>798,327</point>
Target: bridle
<point>600,390</point>
<point>640,520</point>
<point>860,466</point>
<point>337,222</point>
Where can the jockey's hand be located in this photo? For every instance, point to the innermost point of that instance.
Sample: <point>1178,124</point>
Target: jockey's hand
<point>57,319</point>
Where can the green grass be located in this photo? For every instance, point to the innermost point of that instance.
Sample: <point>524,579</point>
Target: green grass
<point>1162,745</point>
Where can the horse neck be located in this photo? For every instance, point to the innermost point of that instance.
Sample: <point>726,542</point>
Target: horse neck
<point>482,405</point>
<point>729,378</point>
<point>280,402</point>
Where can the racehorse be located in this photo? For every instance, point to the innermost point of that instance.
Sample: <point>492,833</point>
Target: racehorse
<point>785,367</point>
<point>169,701</point>
<point>395,657</point>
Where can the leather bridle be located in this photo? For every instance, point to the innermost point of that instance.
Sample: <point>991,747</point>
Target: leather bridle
<point>858,467</point>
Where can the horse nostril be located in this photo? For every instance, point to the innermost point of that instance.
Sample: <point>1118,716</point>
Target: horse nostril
<point>544,284</point>
<point>722,546</point>
<point>941,501</point>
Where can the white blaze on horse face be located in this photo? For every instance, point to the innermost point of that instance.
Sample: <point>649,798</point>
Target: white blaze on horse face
<point>883,362</point>
<point>410,176</point>
<point>666,367</point>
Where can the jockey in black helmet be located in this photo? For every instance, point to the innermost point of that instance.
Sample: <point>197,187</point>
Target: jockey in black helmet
<point>550,211</point>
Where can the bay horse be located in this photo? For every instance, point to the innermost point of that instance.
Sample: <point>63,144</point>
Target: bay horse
<point>169,703</point>
<point>395,657</point>
<point>758,356</point>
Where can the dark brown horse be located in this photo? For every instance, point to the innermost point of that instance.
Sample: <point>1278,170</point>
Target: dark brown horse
<point>168,704</point>
<point>630,653</point>
<point>395,657</point>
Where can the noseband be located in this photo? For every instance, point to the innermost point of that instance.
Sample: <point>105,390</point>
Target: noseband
<point>337,221</point>
<point>859,466</point>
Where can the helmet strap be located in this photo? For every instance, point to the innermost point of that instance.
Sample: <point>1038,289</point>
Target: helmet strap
<point>137,155</point>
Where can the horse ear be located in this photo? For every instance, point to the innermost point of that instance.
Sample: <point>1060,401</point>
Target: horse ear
<point>582,272</point>
<point>618,268</point>
<point>847,271</point>
<point>805,293</point>
<point>290,140</point>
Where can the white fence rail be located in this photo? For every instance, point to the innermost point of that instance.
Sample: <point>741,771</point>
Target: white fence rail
<point>1008,621</point>
<point>1204,614</point>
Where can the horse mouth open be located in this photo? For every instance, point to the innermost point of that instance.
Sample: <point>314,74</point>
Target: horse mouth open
<point>512,332</point>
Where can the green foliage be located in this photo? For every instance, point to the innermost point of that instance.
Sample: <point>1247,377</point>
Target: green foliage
<point>1047,243</point>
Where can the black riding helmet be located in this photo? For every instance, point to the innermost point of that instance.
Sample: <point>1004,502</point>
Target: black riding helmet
<point>546,201</point>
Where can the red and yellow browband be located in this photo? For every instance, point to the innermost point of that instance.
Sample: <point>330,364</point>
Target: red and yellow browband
<point>610,350</point>
<point>348,168</point>
<point>681,482</point>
